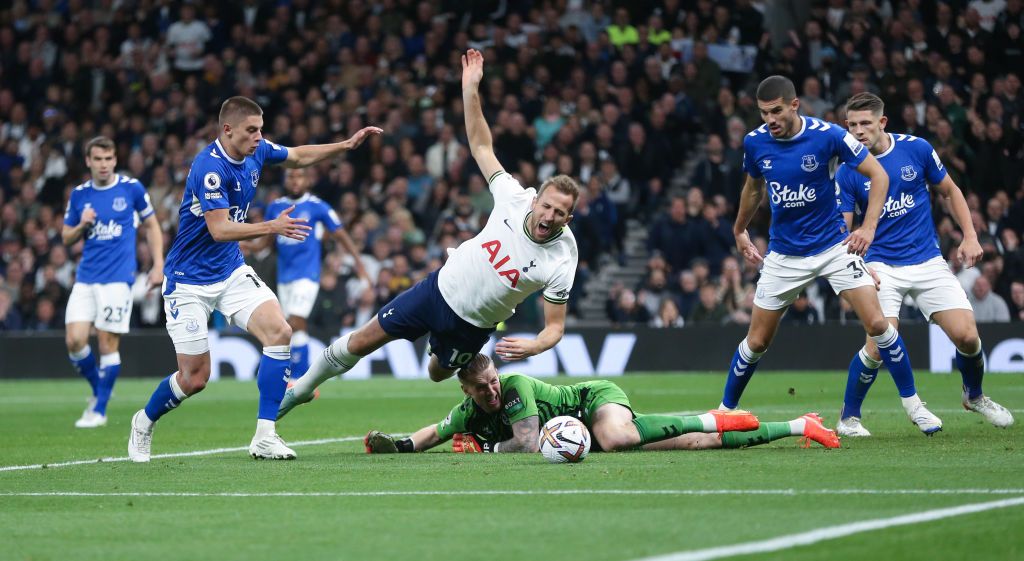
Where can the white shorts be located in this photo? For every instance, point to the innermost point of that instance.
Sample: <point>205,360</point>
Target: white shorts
<point>784,276</point>
<point>188,307</point>
<point>107,306</point>
<point>931,284</point>
<point>297,297</point>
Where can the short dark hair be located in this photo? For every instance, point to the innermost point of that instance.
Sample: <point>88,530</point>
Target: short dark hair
<point>774,87</point>
<point>101,142</point>
<point>866,101</point>
<point>565,185</point>
<point>476,365</point>
<point>238,107</point>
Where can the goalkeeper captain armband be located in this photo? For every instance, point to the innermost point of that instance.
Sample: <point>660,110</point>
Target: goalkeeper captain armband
<point>466,443</point>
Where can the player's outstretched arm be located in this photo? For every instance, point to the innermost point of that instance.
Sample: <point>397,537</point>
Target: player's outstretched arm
<point>155,241</point>
<point>750,199</point>
<point>525,433</point>
<point>304,156</point>
<point>377,442</point>
<point>970,250</point>
<point>859,240</point>
<point>222,229</point>
<point>479,134</point>
<point>518,348</point>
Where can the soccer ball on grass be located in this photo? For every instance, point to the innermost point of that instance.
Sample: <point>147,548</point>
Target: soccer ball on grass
<point>564,440</point>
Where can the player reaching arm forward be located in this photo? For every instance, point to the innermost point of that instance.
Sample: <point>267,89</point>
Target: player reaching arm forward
<point>907,258</point>
<point>504,413</point>
<point>524,248</point>
<point>205,271</point>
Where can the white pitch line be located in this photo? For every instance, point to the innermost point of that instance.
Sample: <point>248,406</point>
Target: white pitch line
<point>831,532</point>
<point>524,492</point>
<point>209,452</point>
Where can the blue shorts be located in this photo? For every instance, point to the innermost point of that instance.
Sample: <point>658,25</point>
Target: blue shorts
<point>421,310</point>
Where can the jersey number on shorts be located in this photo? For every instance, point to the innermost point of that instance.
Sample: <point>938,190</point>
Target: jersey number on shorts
<point>858,271</point>
<point>253,279</point>
<point>460,359</point>
<point>110,312</point>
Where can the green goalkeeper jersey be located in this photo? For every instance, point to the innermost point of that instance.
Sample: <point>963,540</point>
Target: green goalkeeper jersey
<point>522,397</point>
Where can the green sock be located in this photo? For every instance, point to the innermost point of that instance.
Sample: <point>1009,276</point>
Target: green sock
<point>767,433</point>
<point>653,428</point>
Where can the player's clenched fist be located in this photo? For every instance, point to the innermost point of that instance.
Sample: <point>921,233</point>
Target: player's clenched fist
<point>465,443</point>
<point>285,225</point>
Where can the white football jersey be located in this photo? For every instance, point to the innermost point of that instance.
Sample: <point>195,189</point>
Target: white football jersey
<point>486,277</point>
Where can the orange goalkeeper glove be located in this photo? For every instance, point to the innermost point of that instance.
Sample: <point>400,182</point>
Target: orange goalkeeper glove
<point>466,443</point>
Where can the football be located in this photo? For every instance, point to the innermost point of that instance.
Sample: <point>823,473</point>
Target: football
<point>564,440</point>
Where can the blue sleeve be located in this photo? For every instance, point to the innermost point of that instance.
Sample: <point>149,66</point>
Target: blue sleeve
<point>209,184</point>
<point>934,171</point>
<point>143,206</point>
<point>73,215</point>
<point>848,148</point>
<point>330,218</point>
<point>750,159</point>
<point>272,153</point>
<point>845,189</point>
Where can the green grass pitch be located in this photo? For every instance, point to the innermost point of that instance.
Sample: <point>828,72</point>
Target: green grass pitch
<point>336,502</point>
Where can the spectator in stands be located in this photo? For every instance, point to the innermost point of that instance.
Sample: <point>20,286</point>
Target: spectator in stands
<point>674,237</point>
<point>628,311</point>
<point>709,309</point>
<point>1016,303</point>
<point>668,315</point>
<point>801,312</point>
<point>988,306</point>
<point>10,319</point>
<point>687,293</point>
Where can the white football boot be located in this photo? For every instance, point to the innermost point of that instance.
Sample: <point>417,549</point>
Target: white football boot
<point>90,419</point>
<point>994,413</point>
<point>140,440</point>
<point>850,426</point>
<point>925,419</point>
<point>270,447</point>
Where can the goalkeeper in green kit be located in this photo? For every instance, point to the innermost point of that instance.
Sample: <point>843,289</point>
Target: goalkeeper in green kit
<point>504,413</point>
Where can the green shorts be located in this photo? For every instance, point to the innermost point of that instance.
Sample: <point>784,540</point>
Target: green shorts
<point>599,393</point>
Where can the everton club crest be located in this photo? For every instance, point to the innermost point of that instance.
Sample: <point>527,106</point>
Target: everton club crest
<point>809,163</point>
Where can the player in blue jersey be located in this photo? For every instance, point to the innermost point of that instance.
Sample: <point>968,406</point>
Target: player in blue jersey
<point>907,258</point>
<point>796,157</point>
<point>104,211</point>
<point>205,271</point>
<point>298,262</point>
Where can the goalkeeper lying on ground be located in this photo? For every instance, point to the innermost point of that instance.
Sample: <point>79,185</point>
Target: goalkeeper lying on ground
<point>504,413</point>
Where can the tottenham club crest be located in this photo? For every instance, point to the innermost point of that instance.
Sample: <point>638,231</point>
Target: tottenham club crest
<point>809,163</point>
<point>908,173</point>
<point>119,204</point>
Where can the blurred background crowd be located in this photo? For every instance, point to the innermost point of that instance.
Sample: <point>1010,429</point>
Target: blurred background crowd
<point>645,102</point>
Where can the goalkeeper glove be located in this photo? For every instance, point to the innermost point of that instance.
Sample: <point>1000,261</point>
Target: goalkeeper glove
<point>377,442</point>
<point>466,443</point>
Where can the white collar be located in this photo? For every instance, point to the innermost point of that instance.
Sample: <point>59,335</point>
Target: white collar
<point>224,153</point>
<point>117,179</point>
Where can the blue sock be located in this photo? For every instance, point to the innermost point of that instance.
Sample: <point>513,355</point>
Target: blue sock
<point>85,364</point>
<point>862,374</point>
<point>894,355</point>
<point>272,379</point>
<point>300,354</point>
<point>744,363</point>
<point>167,396</point>
<point>972,370</point>
<point>110,367</point>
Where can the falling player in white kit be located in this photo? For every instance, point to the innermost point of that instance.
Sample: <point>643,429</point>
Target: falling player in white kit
<point>205,271</point>
<point>525,247</point>
<point>105,211</point>
<point>907,259</point>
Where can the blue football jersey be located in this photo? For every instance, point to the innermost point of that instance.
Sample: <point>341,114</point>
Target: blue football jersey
<point>109,252</point>
<point>799,174</point>
<point>301,259</point>
<point>215,181</point>
<point>906,233</point>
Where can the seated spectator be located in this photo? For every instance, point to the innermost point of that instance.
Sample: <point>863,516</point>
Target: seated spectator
<point>674,237</point>
<point>628,312</point>
<point>988,306</point>
<point>10,319</point>
<point>1016,302</point>
<point>668,315</point>
<point>687,292</point>
<point>709,310</point>
<point>801,312</point>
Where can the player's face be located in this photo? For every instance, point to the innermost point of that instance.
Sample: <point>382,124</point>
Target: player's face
<point>101,164</point>
<point>551,210</point>
<point>781,117</point>
<point>485,389</point>
<point>296,181</point>
<point>866,127</point>
<point>244,137</point>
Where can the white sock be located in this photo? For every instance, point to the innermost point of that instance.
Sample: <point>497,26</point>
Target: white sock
<point>797,426</point>
<point>300,338</point>
<point>110,359</point>
<point>334,361</point>
<point>84,352</point>
<point>866,359</point>
<point>887,338</point>
<point>709,422</point>
<point>747,354</point>
<point>971,354</point>
<point>265,427</point>
<point>910,403</point>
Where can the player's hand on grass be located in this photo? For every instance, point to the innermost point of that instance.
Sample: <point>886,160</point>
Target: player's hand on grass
<point>859,240</point>
<point>516,348</point>
<point>969,252</point>
<point>747,249</point>
<point>361,135</point>
<point>285,225</point>
<point>88,217</point>
<point>465,443</point>
<point>472,69</point>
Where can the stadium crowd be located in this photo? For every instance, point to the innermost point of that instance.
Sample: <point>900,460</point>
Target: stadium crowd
<point>646,103</point>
